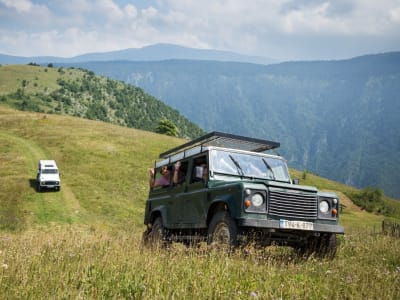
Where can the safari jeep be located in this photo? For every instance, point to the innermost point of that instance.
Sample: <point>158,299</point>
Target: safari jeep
<point>231,192</point>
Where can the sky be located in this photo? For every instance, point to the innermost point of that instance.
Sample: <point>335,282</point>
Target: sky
<point>278,29</point>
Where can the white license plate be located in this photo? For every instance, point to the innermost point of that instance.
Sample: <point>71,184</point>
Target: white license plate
<point>301,225</point>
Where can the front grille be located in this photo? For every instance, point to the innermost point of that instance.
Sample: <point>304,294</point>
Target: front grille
<point>49,183</point>
<point>292,204</point>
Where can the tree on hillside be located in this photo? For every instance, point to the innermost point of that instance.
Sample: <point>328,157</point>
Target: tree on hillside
<point>167,127</point>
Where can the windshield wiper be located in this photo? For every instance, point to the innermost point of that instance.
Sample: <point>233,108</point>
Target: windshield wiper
<point>269,168</point>
<point>239,168</point>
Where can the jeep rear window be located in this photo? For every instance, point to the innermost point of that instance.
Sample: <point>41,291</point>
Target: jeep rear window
<point>249,165</point>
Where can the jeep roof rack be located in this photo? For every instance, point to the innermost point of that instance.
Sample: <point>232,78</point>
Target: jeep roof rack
<point>225,140</point>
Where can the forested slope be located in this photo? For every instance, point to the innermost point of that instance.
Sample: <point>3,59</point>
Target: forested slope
<point>81,93</point>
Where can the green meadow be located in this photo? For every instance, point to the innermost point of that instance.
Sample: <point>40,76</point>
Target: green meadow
<point>84,242</point>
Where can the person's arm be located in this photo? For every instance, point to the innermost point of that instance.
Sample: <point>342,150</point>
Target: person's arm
<point>151,175</point>
<point>175,177</point>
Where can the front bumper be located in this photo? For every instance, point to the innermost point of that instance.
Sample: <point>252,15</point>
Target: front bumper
<point>49,184</point>
<point>275,225</point>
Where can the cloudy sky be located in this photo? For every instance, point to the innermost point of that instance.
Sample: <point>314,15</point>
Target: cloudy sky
<point>280,29</point>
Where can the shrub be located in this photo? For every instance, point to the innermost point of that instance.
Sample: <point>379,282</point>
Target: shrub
<point>370,199</point>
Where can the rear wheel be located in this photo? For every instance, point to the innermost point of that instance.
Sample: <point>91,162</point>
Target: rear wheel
<point>222,231</point>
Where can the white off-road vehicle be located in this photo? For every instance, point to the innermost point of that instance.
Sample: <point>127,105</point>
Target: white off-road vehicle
<point>48,175</point>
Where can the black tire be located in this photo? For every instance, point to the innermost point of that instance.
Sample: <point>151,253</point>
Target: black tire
<point>222,231</point>
<point>157,236</point>
<point>39,189</point>
<point>327,246</point>
<point>323,246</point>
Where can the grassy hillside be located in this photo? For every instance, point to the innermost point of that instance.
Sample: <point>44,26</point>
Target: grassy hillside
<point>85,241</point>
<point>103,169</point>
<point>80,93</point>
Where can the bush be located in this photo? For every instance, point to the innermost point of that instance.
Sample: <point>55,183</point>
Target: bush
<point>370,199</point>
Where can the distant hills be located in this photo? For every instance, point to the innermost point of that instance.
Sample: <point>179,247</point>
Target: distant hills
<point>338,119</point>
<point>155,52</point>
<point>81,93</point>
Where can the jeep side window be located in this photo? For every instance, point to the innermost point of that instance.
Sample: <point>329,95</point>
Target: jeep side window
<point>200,169</point>
<point>180,171</point>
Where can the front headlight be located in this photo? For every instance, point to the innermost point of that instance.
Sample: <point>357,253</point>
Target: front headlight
<point>257,200</point>
<point>324,206</point>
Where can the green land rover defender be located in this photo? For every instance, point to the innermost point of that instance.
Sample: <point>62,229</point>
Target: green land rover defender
<point>227,191</point>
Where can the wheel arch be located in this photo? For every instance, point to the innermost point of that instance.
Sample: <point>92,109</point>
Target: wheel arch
<point>156,213</point>
<point>216,206</point>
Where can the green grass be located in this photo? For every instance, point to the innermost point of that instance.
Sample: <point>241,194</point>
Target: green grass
<point>37,79</point>
<point>85,241</point>
<point>96,263</point>
<point>103,169</point>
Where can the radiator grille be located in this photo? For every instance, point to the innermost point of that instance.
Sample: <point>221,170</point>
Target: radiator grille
<point>49,182</point>
<point>292,204</point>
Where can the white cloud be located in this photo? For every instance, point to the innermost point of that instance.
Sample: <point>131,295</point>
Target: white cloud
<point>109,9</point>
<point>284,29</point>
<point>18,5</point>
<point>130,11</point>
<point>395,15</point>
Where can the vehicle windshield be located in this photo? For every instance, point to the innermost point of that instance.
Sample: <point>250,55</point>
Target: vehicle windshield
<point>250,165</point>
<point>49,171</point>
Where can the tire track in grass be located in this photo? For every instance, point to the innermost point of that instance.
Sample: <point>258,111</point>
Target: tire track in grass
<point>32,154</point>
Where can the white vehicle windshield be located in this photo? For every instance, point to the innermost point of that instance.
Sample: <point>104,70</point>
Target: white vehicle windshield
<point>249,165</point>
<point>49,171</point>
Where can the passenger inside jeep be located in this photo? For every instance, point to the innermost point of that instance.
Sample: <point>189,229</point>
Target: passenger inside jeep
<point>162,179</point>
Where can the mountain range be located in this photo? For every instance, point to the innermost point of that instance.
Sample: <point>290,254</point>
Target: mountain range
<point>338,119</point>
<point>149,53</point>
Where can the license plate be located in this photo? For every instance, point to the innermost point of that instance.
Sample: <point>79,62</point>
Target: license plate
<point>301,225</point>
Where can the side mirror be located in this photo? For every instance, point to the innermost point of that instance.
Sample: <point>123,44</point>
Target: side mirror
<point>296,181</point>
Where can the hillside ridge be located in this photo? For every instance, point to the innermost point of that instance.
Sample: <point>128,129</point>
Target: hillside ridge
<point>80,93</point>
<point>104,172</point>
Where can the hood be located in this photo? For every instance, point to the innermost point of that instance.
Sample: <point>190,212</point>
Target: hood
<point>50,177</point>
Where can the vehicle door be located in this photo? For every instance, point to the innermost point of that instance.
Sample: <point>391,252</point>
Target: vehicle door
<point>163,197</point>
<point>195,197</point>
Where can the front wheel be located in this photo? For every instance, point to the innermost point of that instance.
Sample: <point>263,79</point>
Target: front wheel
<point>328,246</point>
<point>157,236</point>
<point>222,231</point>
<point>323,246</point>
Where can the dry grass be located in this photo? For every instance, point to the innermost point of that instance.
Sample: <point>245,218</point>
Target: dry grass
<point>98,263</point>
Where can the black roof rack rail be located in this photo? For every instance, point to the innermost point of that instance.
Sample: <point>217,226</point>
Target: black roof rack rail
<point>226,140</point>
